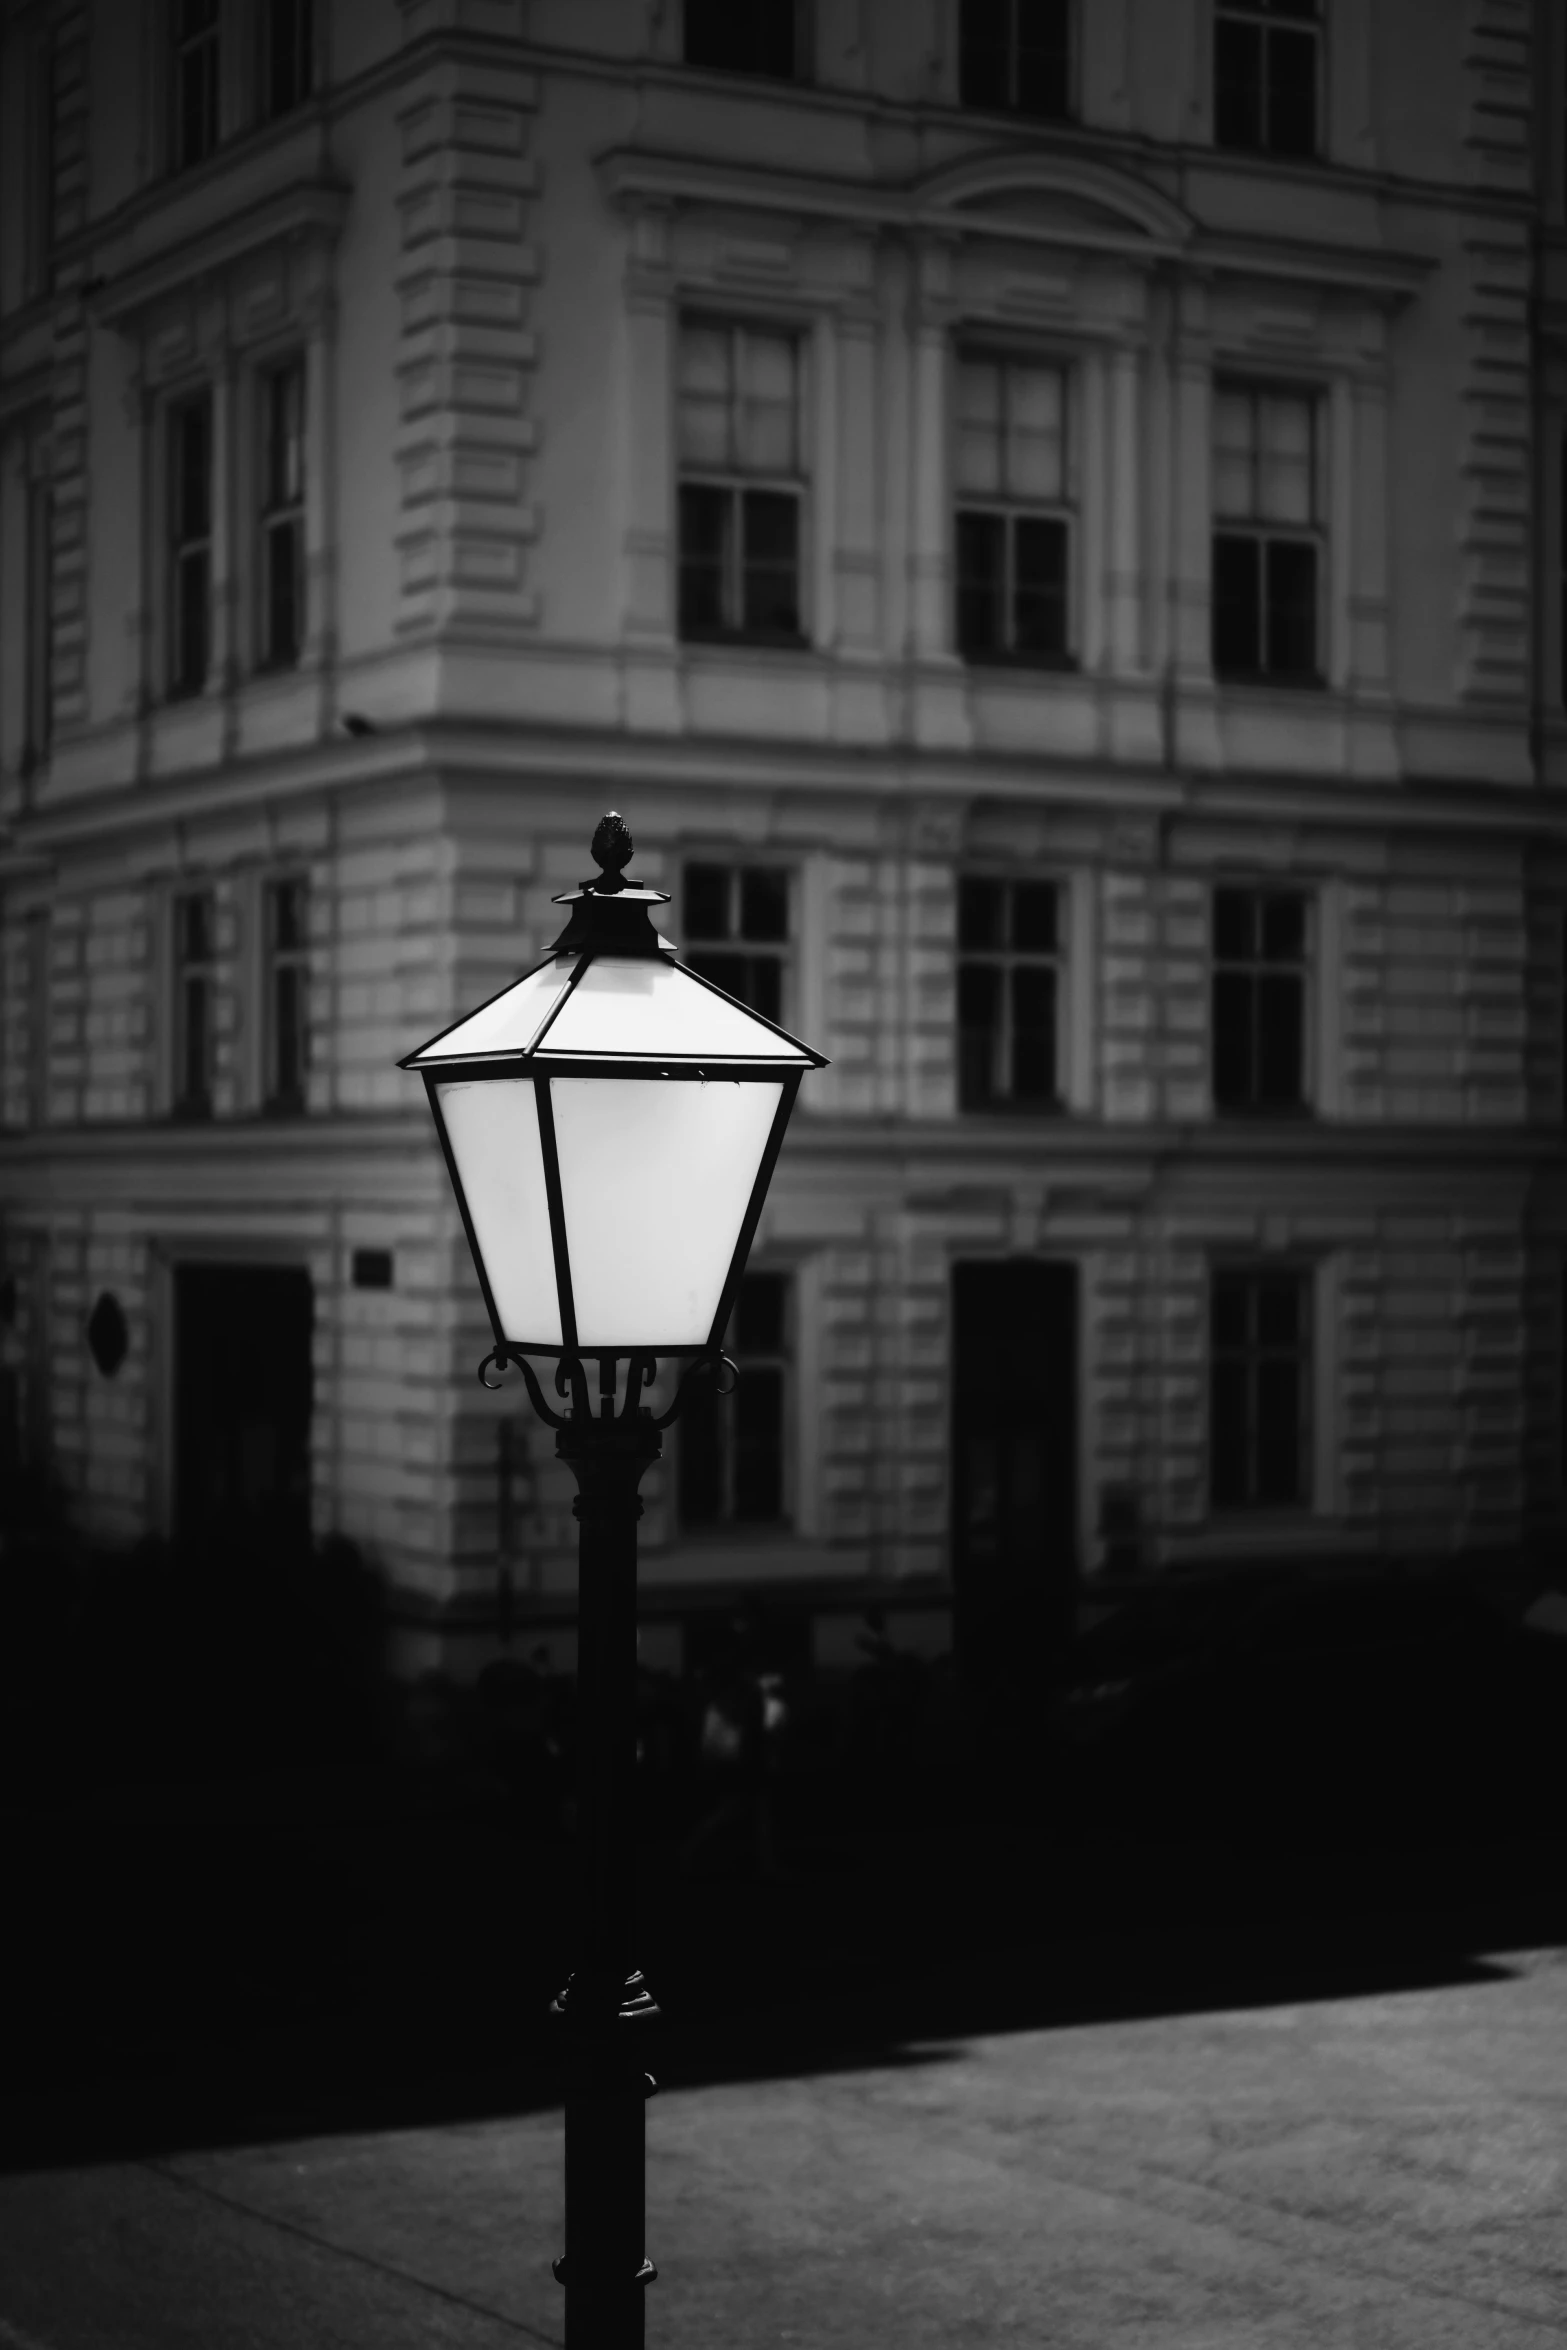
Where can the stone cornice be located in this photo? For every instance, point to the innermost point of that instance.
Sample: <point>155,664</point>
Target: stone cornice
<point>1060,202</point>
<point>131,282</point>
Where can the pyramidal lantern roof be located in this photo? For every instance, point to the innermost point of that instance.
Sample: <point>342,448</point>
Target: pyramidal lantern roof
<point>609,1209</point>
<point>610,989</point>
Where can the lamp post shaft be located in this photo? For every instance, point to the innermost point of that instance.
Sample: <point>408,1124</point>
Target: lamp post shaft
<point>606,2004</point>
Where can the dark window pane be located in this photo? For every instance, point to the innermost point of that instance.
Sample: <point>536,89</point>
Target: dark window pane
<point>285,584</point>
<point>1039,591</point>
<point>1034,916</point>
<point>195,16</point>
<point>193,1073</point>
<point>730,972</point>
<point>764,986</point>
<point>190,621</point>
<point>288,914</point>
<point>701,1463</point>
<point>1042,57</point>
<point>741,36</point>
<point>981,552</point>
<point>1278,1436</point>
<point>770,586</point>
<point>706,898</point>
<point>1292,608</point>
<point>706,520</point>
<point>288,1034</point>
<point>1292,92</point>
<point>1234,924</point>
<point>981,906</point>
<point>1283,928</point>
<point>1237,604</point>
<point>194,929</point>
<point>1280,1308</point>
<point>983,41</point>
<point>1034,1033</point>
<point>764,903</point>
<point>758,1409</point>
<point>1280,1040</point>
<point>1229,1310</point>
<point>759,1313</point>
<point>1234,1039</point>
<point>1228,1433</point>
<point>979,1028</point>
<point>191,469</point>
<point>289,43</point>
<point>1237,84</point>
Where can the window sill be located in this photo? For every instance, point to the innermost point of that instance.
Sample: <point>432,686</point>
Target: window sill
<point>1273,680</point>
<point>1050,1111</point>
<point>1266,1113</point>
<point>742,641</point>
<point>1050,664</point>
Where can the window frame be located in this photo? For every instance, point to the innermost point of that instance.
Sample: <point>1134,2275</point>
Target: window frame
<point>190,972</point>
<point>1008,959</point>
<point>272,521</point>
<point>800,67</point>
<point>180,47</point>
<point>737,484</point>
<point>1301,1502</point>
<point>1266,533</point>
<point>725,1524</point>
<point>1269,21</point>
<point>277,959</point>
<point>305,30</point>
<point>1070,103</point>
<point>193,399</point>
<point>1256,964</point>
<point>697,948</point>
<point>1011,509</point>
<point>38,622</point>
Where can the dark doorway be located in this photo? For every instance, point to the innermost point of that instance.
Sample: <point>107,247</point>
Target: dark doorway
<point>242,1404</point>
<point>1014,1451</point>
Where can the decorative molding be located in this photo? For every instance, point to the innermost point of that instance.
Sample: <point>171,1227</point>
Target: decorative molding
<point>311,213</point>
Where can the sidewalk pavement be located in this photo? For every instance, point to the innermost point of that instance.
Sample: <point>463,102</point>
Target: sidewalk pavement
<point>1379,2170</point>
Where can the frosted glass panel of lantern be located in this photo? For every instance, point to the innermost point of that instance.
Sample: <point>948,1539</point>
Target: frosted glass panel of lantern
<point>512,1021</point>
<point>656,1009</point>
<point>656,1180</point>
<point>492,1125</point>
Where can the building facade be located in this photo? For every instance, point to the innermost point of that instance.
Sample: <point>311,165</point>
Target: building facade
<point>1046,520</point>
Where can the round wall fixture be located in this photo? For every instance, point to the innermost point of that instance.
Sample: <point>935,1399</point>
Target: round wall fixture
<point>108,1338</point>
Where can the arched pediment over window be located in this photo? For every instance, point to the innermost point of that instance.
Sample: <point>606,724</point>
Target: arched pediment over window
<point>1055,199</point>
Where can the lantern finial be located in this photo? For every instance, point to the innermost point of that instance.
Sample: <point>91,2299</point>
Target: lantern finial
<point>611,850</point>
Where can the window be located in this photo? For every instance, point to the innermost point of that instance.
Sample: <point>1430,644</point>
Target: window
<point>194,974</point>
<point>190,543</point>
<point>737,931</point>
<point>194,98</point>
<point>1014,532</point>
<point>732,1447</point>
<point>287,40</point>
<point>38,1015</point>
<point>1267,502</point>
<point>1265,68</point>
<point>1260,1386</point>
<point>38,626</point>
<point>1009,994</point>
<point>1259,999</point>
<point>1015,55</point>
<point>740,485</point>
<point>287,984</point>
<point>282,400</point>
<point>762,36</point>
<point>38,167</point>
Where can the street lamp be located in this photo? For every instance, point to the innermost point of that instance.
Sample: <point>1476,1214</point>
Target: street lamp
<point>610,1123</point>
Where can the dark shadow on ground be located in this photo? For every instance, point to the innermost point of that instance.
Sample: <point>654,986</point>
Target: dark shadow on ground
<point>194,1985</point>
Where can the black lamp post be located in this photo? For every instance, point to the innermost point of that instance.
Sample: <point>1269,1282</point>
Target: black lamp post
<point>610,1123</point>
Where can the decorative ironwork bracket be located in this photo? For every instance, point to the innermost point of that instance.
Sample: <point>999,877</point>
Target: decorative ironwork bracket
<point>641,1371</point>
